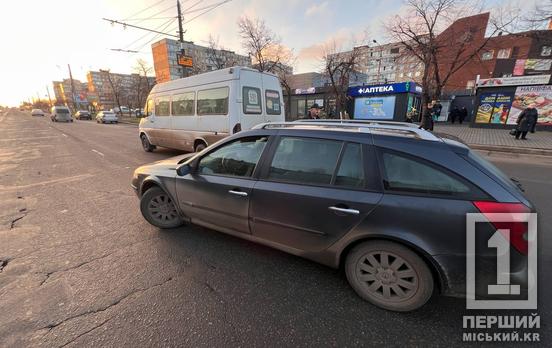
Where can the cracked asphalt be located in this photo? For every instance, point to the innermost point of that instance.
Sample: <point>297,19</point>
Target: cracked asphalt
<point>79,266</point>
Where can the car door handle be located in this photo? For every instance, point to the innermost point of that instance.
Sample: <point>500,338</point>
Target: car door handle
<point>238,193</point>
<point>345,210</point>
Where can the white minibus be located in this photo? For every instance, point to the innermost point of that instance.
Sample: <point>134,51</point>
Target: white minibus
<point>193,112</point>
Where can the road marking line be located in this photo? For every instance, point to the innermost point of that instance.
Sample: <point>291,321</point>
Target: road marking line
<point>49,182</point>
<point>98,152</point>
<point>65,135</point>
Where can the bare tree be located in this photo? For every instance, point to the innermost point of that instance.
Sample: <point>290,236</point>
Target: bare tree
<point>142,85</point>
<point>115,83</point>
<point>267,52</point>
<point>338,67</point>
<point>425,33</point>
<point>261,43</point>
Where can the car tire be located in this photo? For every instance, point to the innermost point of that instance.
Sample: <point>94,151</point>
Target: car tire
<point>200,147</point>
<point>389,275</point>
<point>146,145</point>
<point>159,210</point>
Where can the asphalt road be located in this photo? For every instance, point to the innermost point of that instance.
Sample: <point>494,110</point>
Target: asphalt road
<point>79,265</point>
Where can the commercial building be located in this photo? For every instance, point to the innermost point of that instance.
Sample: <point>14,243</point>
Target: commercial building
<point>165,59</point>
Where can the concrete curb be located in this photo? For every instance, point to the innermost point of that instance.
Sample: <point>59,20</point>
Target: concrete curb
<point>509,149</point>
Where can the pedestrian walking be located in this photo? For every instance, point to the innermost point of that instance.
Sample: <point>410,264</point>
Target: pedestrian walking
<point>314,112</point>
<point>427,118</point>
<point>462,114</point>
<point>526,122</point>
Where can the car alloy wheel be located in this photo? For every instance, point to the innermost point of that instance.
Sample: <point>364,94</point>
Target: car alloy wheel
<point>389,275</point>
<point>159,209</point>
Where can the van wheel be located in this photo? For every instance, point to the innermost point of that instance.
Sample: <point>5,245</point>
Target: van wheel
<point>389,275</point>
<point>200,147</point>
<point>159,210</point>
<point>146,144</point>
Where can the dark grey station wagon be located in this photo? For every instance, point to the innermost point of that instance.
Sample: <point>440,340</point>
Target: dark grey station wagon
<point>387,202</point>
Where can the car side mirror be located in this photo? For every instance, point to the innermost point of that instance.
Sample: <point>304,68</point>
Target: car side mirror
<point>184,169</point>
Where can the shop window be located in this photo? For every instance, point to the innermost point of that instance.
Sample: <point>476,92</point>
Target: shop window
<point>546,51</point>
<point>488,55</point>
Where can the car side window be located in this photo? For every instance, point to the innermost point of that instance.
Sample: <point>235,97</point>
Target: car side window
<point>404,173</point>
<point>238,158</point>
<point>251,100</point>
<point>305,160</point>
<point>351,168</point>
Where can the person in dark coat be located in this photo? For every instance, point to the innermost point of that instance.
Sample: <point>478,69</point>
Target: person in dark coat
<point>454,114</point>
<point>427,118</point>
<point>462,114</point>
<point>527,121</point>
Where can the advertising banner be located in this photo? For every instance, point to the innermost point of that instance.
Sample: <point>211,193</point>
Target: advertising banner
<point>537,66</point>
<point>486,106</point>
<point>513,81</point>
<point>502,106</point>
<point>375,108</point>
<point>519,67</point>
<point>541,96</point>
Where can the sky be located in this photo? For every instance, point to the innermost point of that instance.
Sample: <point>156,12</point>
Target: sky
<point>40,38</point>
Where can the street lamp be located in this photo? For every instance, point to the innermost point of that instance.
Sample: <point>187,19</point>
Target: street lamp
<point>379,60</point>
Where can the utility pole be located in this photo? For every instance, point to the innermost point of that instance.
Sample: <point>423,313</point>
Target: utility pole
<point>49,99</point>
<point>72,88</point>
<point>180,34</point>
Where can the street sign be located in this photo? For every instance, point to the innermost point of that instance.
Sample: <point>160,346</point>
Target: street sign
<point>185,60</point>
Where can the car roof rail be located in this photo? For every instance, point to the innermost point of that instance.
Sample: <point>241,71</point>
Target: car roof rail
<point>348,121</point>
<point>376,127</point>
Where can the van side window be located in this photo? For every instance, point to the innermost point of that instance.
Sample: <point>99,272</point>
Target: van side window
<point>272,102</point>
<point>251,100</point>
<point>162,106</point>
<point>148,109</point>
<point>183,104</point>
<point>212,101</point>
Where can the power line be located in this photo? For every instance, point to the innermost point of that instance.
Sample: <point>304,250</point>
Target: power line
<point>147,19</point>
<point>208,10</point>
<point>155,36</point>
<point>201,8</point>
<point>146,34</point>
<point>143,10</point>
<point>113,21</point>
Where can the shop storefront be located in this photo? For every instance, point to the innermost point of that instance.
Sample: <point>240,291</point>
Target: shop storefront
<point>500,101</point>
<point>385,102</point>
<point>302,99</point>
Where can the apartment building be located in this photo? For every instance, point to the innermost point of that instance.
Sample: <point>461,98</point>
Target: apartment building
<point>165,59</point>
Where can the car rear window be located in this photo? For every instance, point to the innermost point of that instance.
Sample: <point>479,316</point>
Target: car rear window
<point>62,111</point>
<point>405,173</point>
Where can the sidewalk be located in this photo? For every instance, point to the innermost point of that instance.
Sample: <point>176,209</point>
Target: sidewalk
<point>539,143</point>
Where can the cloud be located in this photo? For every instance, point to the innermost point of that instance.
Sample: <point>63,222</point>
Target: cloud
<point>316,10</point>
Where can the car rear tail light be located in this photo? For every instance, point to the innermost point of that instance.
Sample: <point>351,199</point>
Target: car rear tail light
<point>518,230</point>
